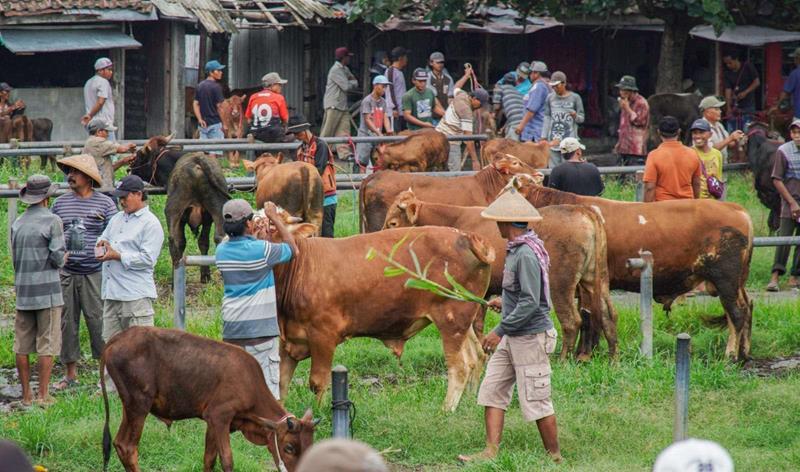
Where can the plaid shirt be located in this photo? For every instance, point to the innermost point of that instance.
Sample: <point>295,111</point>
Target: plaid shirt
<point>633,128</point>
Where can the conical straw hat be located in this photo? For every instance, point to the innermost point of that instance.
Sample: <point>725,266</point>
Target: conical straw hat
<point>84,163</point>
<point>511,206</point>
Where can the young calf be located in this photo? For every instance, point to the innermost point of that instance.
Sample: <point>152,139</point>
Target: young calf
<point>176,375</point>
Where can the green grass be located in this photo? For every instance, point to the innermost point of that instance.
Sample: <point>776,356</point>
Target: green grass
<point>613,416</point>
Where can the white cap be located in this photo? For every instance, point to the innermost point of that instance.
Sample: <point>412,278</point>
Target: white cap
<point>694,455</point>
<point>569,145</point>
<point>102,63</point>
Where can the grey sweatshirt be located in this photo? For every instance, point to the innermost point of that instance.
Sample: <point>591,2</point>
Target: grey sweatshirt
<point>525,311</point>
<point>558,121</point>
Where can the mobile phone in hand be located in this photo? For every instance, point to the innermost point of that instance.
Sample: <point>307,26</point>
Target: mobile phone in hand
<point>100,251</point>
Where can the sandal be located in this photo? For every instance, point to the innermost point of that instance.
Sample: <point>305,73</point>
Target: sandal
<point>45,403</point>
<point>773,287</point>
<point>65,384</point>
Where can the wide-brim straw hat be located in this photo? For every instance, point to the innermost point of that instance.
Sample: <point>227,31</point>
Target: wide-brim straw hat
<point>510,206</point>
<point>84,163</point>
<point>37,188</point>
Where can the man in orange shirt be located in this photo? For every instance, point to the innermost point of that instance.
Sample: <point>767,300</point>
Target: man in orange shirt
<point>267,111</point>
<point>672,170</point>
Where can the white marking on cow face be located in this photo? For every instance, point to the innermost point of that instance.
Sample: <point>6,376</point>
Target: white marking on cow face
<point>642,220</point>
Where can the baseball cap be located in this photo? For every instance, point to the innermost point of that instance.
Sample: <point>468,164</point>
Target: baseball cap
<point>538,66</point>
<point>569,145</point>
<point>98,124</point>
<point>711,102</point>
<point>701,125</point>
<point>694,455</point>
<point>524,68</point>
<point>795,122</point>
<point>236,210</point>
<point>128,184</point>
<point>669,126</point>
<point>795,53</point>
<point>380,79</point>
<point>420,74</point>
<point>102,63</point>
<point>4,87</point>
<point>398,52</point>
<point>558,77</point>
<point>341,455</point>
<point>342,52</point>
<point>214,65</point>
<point>436,57</point>
<point>509,78</point>
<point>482,95</point>
<point>272,78</point>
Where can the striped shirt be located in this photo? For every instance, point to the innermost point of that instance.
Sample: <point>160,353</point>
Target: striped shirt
<point>37,245</point>
<point>458,117</point>
<point>90,214</point>
<point>249,305</point>
<point>512,101</point>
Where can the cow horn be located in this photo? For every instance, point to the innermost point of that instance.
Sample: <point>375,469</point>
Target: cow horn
<point>316,422</point>
<point>169,138</point>
<point>146,148</point>
<point>294,219</point>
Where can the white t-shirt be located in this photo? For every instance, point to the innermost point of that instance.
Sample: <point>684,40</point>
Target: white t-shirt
<point>98,87</point>
<point>718,135</point>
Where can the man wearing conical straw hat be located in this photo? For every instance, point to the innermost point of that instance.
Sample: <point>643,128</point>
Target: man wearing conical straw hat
<point>520,345</point>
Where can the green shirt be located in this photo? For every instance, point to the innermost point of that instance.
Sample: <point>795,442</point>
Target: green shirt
<point>420,104</point>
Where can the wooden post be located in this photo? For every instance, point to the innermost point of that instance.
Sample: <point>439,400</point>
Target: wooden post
<point>680,428</point>
<point>12,209</point>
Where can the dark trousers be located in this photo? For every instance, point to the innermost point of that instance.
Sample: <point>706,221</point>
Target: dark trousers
<point>788,227</point>
<point>328,220</point>
<point>270,134</point>
<point>631,160</point>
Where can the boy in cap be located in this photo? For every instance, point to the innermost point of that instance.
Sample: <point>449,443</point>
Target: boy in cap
<point>102,148</point>
<point>249,303</point>
<point>419,103</point>
<point>521,344</point>
<point>38,252</point>
<point>459,120</point>
<point>84,214</point>
<point>98,97</point>
<point>786,177</point>
<point>439,80</point>
<point>530,128</point>
<point>207,98</point>
<point>399,58</point>
<point>634,118</point>
<point>672,170</point>
<point>374,119</point>
<point>267,111</point>
<point>575,174</point>
<point>710,158</point>
<point>336,121</point>
<point>129,248</point>
<point>563,112</point>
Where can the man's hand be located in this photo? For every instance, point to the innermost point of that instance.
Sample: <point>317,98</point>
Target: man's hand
<point>85,119</point>
<point>794,207</point>
<point>737,135</point>
<point>573,114</point>
<point>110,255</point>
<point>555,142</point>
<point>127,159</point>
<point>271,210</point>
<point>624,103</point>
<point>395,113</point>
<point>202,123</point>
<point>741,95</point>
<point>495,304</point>
<point>425,124</point>
<point>518,130</point>
<point>490,342</point>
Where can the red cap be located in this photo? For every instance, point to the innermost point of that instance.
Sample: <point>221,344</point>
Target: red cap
<point>342,52</point>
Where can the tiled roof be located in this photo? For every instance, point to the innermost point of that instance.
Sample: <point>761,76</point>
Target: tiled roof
<point>44,7</point>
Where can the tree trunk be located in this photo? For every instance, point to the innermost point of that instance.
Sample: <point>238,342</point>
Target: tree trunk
<point>670,62</point>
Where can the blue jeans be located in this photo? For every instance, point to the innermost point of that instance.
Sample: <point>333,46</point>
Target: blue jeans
<point>212,132</point>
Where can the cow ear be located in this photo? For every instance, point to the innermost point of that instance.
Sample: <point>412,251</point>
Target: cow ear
<point>308,415</point>
<point>280,157</point>
<point>411,211</point>
<point>269,424</point>
<point>304,230</point>
<point>146,148</point>
<point>167,139</point>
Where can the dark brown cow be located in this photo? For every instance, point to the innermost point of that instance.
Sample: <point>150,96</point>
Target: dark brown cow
<point>573,236</point>
<point>329,293</point>
<point>43,131</point>
<point>175,375</point>
<point>294,186</point>
<point>683,106</point>
<point>196,191</point>
<point>761,152</point>
<point>691,241</point>
<point>423,150</point>
<point>536,155</point>
<point>379,190</point>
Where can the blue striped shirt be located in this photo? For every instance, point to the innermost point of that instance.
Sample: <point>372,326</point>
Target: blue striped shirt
<point>249,304</point>
<point>93,213</point>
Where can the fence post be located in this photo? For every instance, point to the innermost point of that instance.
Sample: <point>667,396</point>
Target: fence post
<point>12,209</point>
<point>340,403</point>
<point>639,185</point>
<point>250,155</point>
<point>645,264</point>
<point>179,295</point>
<point>681,387</point>
<point>67,151</point>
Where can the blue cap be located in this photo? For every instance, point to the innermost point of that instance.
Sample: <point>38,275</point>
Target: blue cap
<point>213,65</point>
<point>380,79</point>
<point>701,125</point>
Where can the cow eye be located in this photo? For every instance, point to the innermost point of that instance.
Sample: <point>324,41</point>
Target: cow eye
<point>289,449</point>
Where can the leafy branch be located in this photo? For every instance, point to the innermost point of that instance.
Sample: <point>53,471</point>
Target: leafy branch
<point>418,277</point>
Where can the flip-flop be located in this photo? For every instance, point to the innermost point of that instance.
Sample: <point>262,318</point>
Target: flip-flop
<point>773,287</point>
<point>65,384</point>
<point>46,403</point>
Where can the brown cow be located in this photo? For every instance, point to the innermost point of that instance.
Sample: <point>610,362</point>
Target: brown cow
<point>576,241</point>
<point>423,150</point>
<point>175,375</point>
<point>329,293</point>
<point>691,241</point>
<point>536,155</point>
<point>231,113</point>
<point>379,190</point>
<point>294,186</point>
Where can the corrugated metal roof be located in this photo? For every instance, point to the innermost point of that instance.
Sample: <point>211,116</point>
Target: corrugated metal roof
<point>746,35</point>
<point>43,7</point>
<point>209,13</point>
<point>278,13</point>
<point>28,41</point>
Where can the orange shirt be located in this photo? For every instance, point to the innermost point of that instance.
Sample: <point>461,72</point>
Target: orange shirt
<point>266,106</point>
<point>672,166</point>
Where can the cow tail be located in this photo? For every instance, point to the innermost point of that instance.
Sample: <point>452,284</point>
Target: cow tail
<point>304,185</point>
<point>362,207</point>
<point>106,430</point>
<point>216,179</point>
<point>598,302</point>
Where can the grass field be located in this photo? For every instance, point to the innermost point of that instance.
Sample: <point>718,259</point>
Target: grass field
<point>613,416</point>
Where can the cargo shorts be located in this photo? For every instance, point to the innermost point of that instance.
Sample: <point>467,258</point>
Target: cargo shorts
<point>268,356</point>
<point>523,360</point>
<point>38,332</point>
<point>120,315</point>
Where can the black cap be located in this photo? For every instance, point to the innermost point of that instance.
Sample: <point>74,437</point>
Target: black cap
<point>398,52</point>
<point>130,183</point>
<point>297,123</point>
<point>669,126</point>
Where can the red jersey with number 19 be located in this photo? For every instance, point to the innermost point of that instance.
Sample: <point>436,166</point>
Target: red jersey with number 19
<point>266,106</point>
